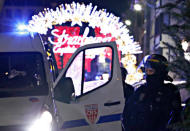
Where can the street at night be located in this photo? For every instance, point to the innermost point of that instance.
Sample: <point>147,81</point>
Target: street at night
<point>94,65</point>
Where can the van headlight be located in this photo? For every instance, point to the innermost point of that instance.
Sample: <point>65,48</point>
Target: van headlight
<point>44,123</point>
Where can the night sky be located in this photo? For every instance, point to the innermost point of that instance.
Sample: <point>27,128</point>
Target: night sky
<point>115,6</point>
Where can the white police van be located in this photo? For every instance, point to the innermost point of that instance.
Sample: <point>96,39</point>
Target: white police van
<point>94,103</point>
<point>25,84</point>
<point>78,100</point>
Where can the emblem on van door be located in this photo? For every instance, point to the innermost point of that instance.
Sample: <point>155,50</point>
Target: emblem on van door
<point>91,111</point>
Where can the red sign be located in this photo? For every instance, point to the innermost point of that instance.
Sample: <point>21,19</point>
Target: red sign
<point>91,112</point>
<point>67,39</point>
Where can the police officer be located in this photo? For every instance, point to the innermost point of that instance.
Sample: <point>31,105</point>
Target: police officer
<point>127,89</point>
<point>151,106</point>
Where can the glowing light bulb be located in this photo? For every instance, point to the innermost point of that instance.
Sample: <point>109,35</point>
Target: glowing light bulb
<point>128,22</point>
<point>137,7</point>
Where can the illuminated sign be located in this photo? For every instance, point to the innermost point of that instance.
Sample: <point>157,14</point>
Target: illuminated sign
<point>78,14</point>
<point>66,39</point>
<point>73,41</point>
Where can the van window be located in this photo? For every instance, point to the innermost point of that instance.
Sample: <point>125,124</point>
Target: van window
<point>90,69</point>
<point>75,72</point>
<point>98,63</point>
<point>22,74</point>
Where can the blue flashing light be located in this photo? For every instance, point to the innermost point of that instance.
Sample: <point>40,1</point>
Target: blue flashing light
<point>22,27</point>
<point>23,32</point>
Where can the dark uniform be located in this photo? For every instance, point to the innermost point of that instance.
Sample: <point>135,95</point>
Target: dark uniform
<point>152,105</point>
<point>149,109</point>
<point>128,90</point>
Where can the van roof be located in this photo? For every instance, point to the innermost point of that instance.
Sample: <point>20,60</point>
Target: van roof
<point>10,42</point>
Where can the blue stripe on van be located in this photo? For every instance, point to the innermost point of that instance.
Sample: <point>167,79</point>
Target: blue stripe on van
<point>109,118</point>
<point>74,123</point>
<point>83,122</point>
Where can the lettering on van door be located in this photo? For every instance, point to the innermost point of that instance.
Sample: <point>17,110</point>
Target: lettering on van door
<point>91,111</point>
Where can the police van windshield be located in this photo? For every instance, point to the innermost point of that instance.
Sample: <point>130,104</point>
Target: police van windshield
<point>22,74</point>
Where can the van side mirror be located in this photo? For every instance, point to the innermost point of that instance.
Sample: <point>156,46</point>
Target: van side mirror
<point>64,89</point>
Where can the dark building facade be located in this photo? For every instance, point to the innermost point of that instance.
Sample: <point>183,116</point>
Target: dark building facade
<point>155,19</point>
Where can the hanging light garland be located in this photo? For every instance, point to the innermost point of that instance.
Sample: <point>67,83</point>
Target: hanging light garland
<point>77,14</point>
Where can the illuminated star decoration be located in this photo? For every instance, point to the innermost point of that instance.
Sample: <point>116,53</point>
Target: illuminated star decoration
<point>76,14</point>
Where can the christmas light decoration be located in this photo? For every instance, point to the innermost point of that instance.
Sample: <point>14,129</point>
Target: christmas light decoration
<point>134,75</point>
<point>185,47</point>
<point>77,14</point>
<point>106,25</point>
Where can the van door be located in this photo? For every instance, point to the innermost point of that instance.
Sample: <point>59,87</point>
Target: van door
<point>96,100</point>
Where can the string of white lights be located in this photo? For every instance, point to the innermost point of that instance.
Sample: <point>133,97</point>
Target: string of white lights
<point>77,13</point>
